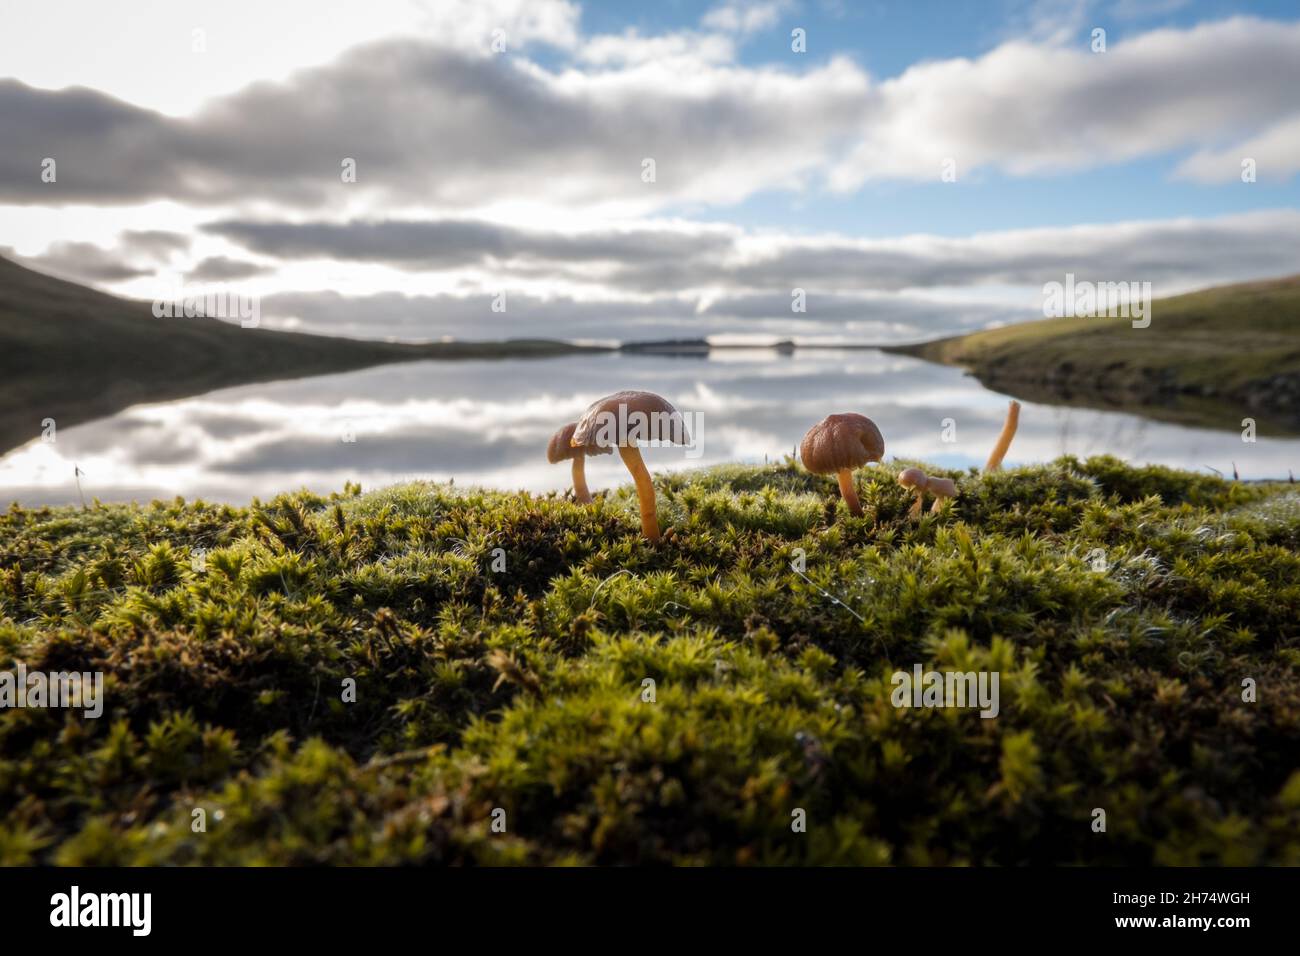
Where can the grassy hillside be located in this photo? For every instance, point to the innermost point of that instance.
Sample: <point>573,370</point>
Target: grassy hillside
<point>1209,358</point>
<point>523,689</point>
<point>74,354</point>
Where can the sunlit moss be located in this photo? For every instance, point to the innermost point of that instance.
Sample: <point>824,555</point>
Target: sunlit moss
<point>622,702</point>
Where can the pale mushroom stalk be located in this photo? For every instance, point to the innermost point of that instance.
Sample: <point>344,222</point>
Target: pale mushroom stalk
<point>849,492</point>
<point>563,448</point>
<point>1004,440</point>
<point>915,510</point>
<point>580,491</point>
<point>645,489</point>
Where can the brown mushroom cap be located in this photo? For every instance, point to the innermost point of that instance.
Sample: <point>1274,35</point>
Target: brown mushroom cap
<point>841,441</point>
<point>913,478</point>
<point>645,416</point>
<point>561,448</point>
<point>942,488</point>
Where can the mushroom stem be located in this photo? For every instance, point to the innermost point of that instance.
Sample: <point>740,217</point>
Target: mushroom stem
<point>939,503</point>
<point>848,491</point>
<point>1004,440</point>
<point>915,510</point>
<point>580,491</point>
<point>645,489</point>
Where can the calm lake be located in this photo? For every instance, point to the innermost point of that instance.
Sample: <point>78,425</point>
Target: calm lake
<point>488,422</point>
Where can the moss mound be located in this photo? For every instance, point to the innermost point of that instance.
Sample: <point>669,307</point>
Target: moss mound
<point>501,647</point>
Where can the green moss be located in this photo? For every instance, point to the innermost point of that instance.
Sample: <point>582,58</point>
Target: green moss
<point>618,702</point>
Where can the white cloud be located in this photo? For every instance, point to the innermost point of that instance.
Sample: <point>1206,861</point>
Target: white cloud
<point>1054,21</point>
<point>1030,108</point>
<point>745,17</point>
<point>145,52</point>
<point>433,125</point>
<point>1275,151</point>
<point>672,51</point>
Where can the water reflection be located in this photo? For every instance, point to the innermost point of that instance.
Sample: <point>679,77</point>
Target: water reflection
<point>488,423</point>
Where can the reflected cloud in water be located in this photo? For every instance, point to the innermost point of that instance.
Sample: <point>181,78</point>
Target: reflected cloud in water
<point>488,422</point>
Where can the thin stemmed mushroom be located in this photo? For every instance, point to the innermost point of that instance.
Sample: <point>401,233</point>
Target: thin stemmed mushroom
<point>560,450</point>
<point>943,489</point>
<point>621,421</point>
<point>838,444</point>
<point>915,480</point>
<point>1004,440</point>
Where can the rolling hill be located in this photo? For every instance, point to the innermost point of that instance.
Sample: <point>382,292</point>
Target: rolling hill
<point>75,354</point>
<point>1208,358</point>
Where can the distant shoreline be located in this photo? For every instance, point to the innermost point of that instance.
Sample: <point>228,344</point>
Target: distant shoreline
<point>1211,359</point>
<point>72,355</point>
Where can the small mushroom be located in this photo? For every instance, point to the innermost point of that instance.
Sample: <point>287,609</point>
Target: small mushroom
<point>837,445</point>
<point>621,421</point>
<point>1004,440</point>
<point>560,450</point>
<point>916,480</point>
<point>943,489</point>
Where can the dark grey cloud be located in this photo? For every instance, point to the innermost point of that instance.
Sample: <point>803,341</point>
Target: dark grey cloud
<point>450,243</point>
<point>137,253</point>
<point>156,243</point>
<point>81,262</point>
<point>1171,252</point>
<point>427,122</point>
<point>224,269</point>
<point>104,150</point>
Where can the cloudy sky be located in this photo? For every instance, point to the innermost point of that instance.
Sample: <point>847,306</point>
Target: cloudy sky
<point>917,167</point>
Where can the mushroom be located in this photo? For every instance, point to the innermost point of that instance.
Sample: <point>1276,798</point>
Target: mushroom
<point>560,450</point>
<point>838,444</point>
<point>620,421</point>
<point>943,489</point>
<point>1004,440</point>
<point>916,480</point>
